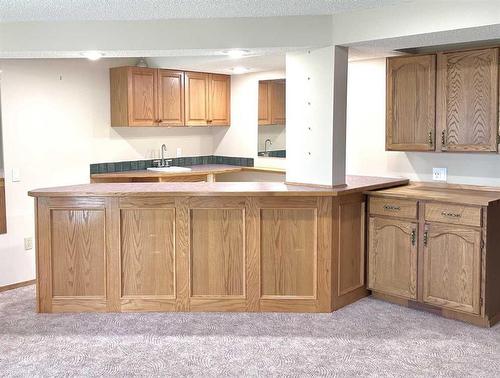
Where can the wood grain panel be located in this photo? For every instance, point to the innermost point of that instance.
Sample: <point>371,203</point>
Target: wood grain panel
<point>78,252</point>
<point>264,102</point>
<point>171,97</point>
<point>148,252</point>
<point>351,246</point>
<point>142,89</point>
<point>220,100</point>
<point>452,267</point>
<point>118,77</point>
<point>217,252</point>
<point>3,213</point>
<point>394,207</point>
<point>392,257</point>
<point>411,91</point>
<point>468,100</point>
<point>288,252</point>
<point>278,101</point>
<point>196,97</point>
<point>454,214</point>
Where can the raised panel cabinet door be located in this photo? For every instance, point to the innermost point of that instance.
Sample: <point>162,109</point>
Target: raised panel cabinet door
<point>392,257</point>
<point>278,100</point>
<point>411,98</point>
<point>219,100</point>
<point>142,96</point>
<point>170,98</point>
<point>467,95</point>
<point>452,267</point>
<point>264,102</point>
<point>196,98</point>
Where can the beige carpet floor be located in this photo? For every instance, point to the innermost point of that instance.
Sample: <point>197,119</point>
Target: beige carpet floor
<point>368,338</point>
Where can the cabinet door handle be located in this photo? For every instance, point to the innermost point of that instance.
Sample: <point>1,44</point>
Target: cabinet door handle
<point>426,238</point>
<point>392,207</point>
<point>443,137</point>
<point>451,215</point>
<point>413,237</point>
<point>431,141</point>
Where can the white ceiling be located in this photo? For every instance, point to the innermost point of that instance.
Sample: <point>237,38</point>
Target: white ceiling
<point>72,10</point>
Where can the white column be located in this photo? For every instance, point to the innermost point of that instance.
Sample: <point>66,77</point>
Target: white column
<point>316,95</point>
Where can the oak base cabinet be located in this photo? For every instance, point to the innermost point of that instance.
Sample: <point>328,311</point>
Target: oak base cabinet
<point>444,257</point>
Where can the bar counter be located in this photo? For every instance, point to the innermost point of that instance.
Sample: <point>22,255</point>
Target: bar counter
<point>201,246</point>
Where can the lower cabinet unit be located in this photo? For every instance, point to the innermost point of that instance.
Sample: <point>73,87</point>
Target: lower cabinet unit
<point>393,257</point>
<point>200,253</point>
<point>444,257</point>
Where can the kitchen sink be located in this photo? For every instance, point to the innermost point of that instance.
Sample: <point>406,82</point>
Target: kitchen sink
<point>170,169</point>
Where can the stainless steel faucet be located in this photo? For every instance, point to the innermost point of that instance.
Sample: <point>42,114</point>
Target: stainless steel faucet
<point>265,145</point>
<point>164,162</point>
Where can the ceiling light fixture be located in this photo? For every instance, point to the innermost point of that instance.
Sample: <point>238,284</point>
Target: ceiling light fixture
<point>240,70</point>
<point>92,55</point>
<point>236,53</point>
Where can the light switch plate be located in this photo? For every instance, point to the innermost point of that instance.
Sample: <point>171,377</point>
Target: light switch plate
<point>28,243</point>
<point>439,174</point>
<point>16,175</point>
<point>179,152</point>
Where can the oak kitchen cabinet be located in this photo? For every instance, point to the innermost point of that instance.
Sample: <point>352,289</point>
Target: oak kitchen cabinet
<point>208,98</point>
<point>160,97</point>
<point>467,100</point>
<point>411,93</point>
<point>440,255</point>
<point>272,102</point>
<point>443,102</point>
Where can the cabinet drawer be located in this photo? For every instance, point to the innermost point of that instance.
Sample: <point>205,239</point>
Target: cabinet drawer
<point>456,214</point>
<point>393,207</point>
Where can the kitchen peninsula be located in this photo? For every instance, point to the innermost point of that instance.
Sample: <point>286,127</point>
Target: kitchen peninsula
<point>201,246</point>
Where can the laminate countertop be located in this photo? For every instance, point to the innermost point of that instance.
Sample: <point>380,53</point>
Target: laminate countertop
<point>196,170</point>
<point>456,194</point>
<point>353,184</point>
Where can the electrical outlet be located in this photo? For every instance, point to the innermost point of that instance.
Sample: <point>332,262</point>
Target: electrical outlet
<point>28,243</point>
<point>439,174</point>
<point>16,175</point>
<point>179,152</point>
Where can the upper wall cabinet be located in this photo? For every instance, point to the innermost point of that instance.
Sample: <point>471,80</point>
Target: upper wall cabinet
<point>208,99</point>
<point>467,100</point>
<point>219,109</point>
<point>133,96</point>
<point>411,103</point>
<point>272,99</point>
<point>170,98</point>
<point>159,97</point>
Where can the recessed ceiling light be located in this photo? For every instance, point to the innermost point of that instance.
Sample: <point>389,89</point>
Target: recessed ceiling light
<point>92,55</point>
<point>240,70</point>
<point>236,53</point>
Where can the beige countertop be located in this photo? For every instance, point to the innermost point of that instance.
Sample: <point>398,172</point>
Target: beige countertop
<point>353,184</point>
<point>470,195</point>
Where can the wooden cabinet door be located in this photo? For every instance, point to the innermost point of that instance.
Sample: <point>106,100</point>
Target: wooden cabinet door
<point>264,102</point>
<point>142,96</point>
<point>467,93</point>
<point>219,100</point>
<point>196,95</point>
<point>411,98</point>
<point>452,267</point>
<point>392,257</point>
<point>278,100</point>
<point>170,98</point>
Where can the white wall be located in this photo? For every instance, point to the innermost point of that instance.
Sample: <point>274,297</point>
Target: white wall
<point>241,138</point>
<point>277,135</point>
<point>53,129</point>
<point>366,153</point>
